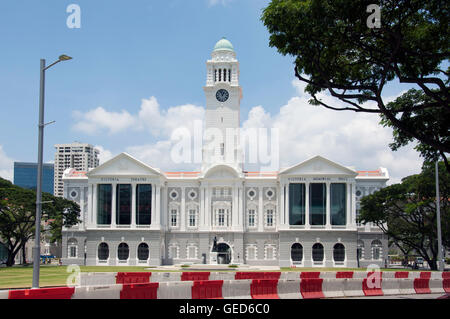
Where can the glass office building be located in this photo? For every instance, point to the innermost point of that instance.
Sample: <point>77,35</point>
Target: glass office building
<point>25,175</point>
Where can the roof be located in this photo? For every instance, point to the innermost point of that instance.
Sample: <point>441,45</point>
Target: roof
<point>223,44</point>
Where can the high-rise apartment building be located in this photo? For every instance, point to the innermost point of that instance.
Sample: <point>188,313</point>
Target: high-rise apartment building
<point>80,156</point>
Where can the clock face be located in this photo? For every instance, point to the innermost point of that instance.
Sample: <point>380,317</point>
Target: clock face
<point>222,95</point>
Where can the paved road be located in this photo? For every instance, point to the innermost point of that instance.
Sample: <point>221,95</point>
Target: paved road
<point>422,296</point>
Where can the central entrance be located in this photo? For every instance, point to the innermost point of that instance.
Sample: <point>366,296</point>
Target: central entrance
<point>223,254</point>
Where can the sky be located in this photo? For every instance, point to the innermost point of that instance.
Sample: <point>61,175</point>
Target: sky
<point>137,74</point>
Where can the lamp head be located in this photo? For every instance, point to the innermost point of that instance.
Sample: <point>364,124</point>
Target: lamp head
<point>64,57</point>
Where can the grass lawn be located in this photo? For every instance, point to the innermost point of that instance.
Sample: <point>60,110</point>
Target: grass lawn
<point>22,276</point>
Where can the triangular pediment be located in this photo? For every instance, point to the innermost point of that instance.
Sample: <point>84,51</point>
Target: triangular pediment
<point>123,165</point>
<point>318,165</point>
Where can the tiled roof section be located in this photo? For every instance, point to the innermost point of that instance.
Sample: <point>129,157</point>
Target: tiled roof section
<point>182,174</point>
<point>377,173</point>
<point>261,174</point>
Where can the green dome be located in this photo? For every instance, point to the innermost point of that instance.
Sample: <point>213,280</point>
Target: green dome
<point>223,44</point>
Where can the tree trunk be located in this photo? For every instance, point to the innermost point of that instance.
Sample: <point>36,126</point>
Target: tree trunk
<point>11,259</point>
<point>24,257</point>
<point>433,264</point>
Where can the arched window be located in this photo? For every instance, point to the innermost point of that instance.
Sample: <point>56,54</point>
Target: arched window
<point>143,252</point>
<point>103,251</point>
<point>123,251</point>
<point>220,75</point>
<point>376,249</point>
<point>339,253</point>
<point>229,75</point>
<point>317,252</point>
<point>297,252</point>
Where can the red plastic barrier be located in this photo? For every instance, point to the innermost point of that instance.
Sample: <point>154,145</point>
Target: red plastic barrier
<point>425,274</point>
<point>374,283</point>
<point>446,275</point>
<point>446,281</point>
<point>194,275</point>
<point>344,274</point>
<point>401,274</point>
<point>140,291</point>
<point>311,288</point>
<point>42,293</point>
<point>422,285</point>
<point>310,274</point>
<point>267,275</point>
<point>264,289</point>
<point>207,289</point>
<point>133,277</point>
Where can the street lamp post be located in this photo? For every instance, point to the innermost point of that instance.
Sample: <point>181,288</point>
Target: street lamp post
<point>440,263</point>
<point>37,238</point>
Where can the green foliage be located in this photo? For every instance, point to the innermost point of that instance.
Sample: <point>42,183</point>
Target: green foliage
<point>335,51</point>
<point>18,216</point>
<point>406,212</point>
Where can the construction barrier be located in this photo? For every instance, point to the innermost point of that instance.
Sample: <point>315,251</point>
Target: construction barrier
<point>311,288</point>
<point>446,281</point>
<point>191,276</point>
<point>140,291</point>
<point>42,293</point>
<point>264,289</point>
<point>132,277</point>
<point>275,275</point>
<point>207,289</point>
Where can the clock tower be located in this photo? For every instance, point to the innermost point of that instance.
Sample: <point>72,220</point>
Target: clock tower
<point>223,98</point>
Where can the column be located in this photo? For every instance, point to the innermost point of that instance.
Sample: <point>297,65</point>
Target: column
<point>82,212</point>
<point>202,217</point>
<point>348,216</point>
<point>183,209</point>
<point>133,205</point>
<point>260,210</point>
<point>353,204</point>
<point>328,207</point>
<point>158,207</point>
<point>209,223</point>
<point>113,205</point>
<point>95,204</point>
<point>234,206</point>
<point>153,212</point>
<point>89,212</point>
<point>307,223</point>
<point>280,197</point>
<point>240,221</point>
<point>286,213</point>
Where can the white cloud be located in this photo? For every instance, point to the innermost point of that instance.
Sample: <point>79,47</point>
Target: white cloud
<point>149,117</point>
<point>218,2</point>
<point>6,165</point>
<point>349,138</point>
<point>99,119</point>
<point>104,154</point>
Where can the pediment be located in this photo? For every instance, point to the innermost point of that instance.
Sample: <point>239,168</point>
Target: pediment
<point>318,165</point>
<point>124,165</point>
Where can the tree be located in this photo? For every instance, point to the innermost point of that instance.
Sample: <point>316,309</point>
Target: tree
<point>18,216</point>
<point>336,51</point>
<point>406,212</point>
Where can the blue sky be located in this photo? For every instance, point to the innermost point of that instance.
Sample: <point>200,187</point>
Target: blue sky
<point>127,51</point>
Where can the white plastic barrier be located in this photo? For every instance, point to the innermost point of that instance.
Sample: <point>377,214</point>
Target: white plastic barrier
<point>175,290</point>
<point>391,286</point>
<point>289,289</point>
<point>353,287</point>
<point>97,278</point>
<point>333,288</point>
<point>222,276</point>
<point>98,292</point>
<point>406,286</point>
<point>165,276</point>
<point>290,275</point>
<point>436,285</point>
<point>4,294</point>
<point>236,289</point>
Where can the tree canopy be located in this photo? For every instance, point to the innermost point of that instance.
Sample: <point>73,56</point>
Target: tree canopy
<point>337,52</point>
<point>18,216</point>
<point>406,212</point>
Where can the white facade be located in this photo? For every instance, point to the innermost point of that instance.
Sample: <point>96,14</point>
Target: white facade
<point>134,214</point>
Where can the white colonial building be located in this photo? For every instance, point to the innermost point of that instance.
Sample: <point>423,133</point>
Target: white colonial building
<point>302,216</point>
